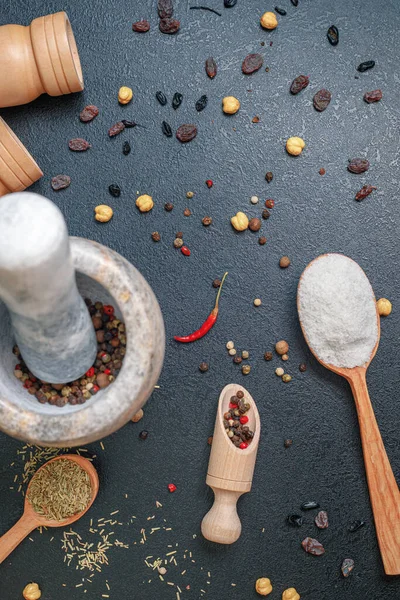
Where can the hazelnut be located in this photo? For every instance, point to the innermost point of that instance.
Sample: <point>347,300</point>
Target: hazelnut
<point>240,221</point>
<point>125,95</point>
<point>103,213</point>
<point>282,347</point>
<point>137,416</point>
<point>31,592</point>
<point>269,20</point>
<point>144,203</point>
<point>295,145</point>
<point>384,307</point>
<point>284,262</point>
<point>230,105</point>
<point>263,586</point>
<point>290,594</point>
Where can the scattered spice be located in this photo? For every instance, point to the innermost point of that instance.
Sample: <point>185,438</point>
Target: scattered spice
<point>230,3</point>
<point>269,176</point>
<point>302,367</point>
<point>263,585</point>
<point>179,234</point>
<point>356,525</point>
<point>374,96</point>
<point>201,103</point>
<point>252,63</point>
<point>60,182</point>
<point>265,214</point>
<point>295,145</point>
<point>365,191</point>
<point>295,3</point>
<point>88,113</point>
<point>333,35</point>
<point>177,100</point>
<point>322,171</point>
<point>262,240</point>
<point>232,351</point>
<point>31,592</point>
<point>280,11</point>
<point>138,416</point>
<point>269,203</point>
<point>216,284</point>
<point>155,236</point>
<point>268,356</point>
<point>208,323</point>
<point>126,148</point>
<point>237,359</point>
<point>168,206</point>
<point>185,250</point>
<point>287,443</point>
<point>103,213</point>
<point>240,221</point>
<point>310,505</point>
<point>171,488</point>
<point>161,98</point>
<point>296,520</point>
<point>347,567</point>
<point>206,8</point>
<point>144,203</point>
<point>169,26</point>
<point>269,20</point>
<point>279,371</point>
<point>209,183</point>
<point>313,546</point>
<point>203,367</point>
<point>254,224</point>
<point>178,243</point>
<point>141,26</point>
<point>114,190</point>
<point>286,378</point>
<point>255,119</point>
<point>322,99</point>
<point>206,221</point>
<point>321,520</point>
<point>230,345</point>
<point>285,357</point>
<point>210,440</point>
<point>116,129</point>
<point>299,83</point>
<point>246,369</point>
<point>125,95</point>
<point>189,194</point>
<point>79,145</point>
<point>282,347</point>
<point>284,262</point>
<point>187,212</point>
<point>129,124</point>
<point>211,67</point>
<point>186,133</point>
<point>230,105</point>
<point>60,489</point>
<point>384,307</point>
<point>358,165</point>
<point>365,66</point>
<point>257,302</point>
<point>166,129</point>
<point>143,435</point>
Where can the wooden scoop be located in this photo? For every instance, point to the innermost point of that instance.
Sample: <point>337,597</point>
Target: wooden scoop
<point>383,489</point>
<point>30,519</point>
<point>230,471</point>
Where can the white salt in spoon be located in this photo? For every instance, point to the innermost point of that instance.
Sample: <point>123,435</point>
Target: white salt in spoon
<point>340,322</point>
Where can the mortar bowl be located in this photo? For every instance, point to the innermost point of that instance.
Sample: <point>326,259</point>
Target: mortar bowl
<point>102,275</point>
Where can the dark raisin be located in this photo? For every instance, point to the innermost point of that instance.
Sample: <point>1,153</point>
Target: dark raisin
<point>166,129</point>
<point>186,133</point>
<point>269,176</point>
<point>296,520</point>
<point>322,99</point>
<point>309,505</point>
<point>141,26</point>
<point>295,2</point>
<point>79,145</point>
<point>299,84</point>
<point>358,165</point>
<point>177,100</point>
<point>364,66</point>
<point>169,26</point>
<point>114,190</point>
<point>347,566</point>
<point>165,9</point>
<point>116,129</point>
<point>313,546</point>
<point>201,103</point>
<point>126,148</point>
<point>373,96</point>
<point>333,35</point>
<point>161,98</point>
<point>60,182</point>
<point>211,67</point>
<point>128,124</point>
<point>89,113</point>
<point>321,520</point>
<point>280,11</point>
<point>229,3</point>
<point>356,525</point>
<point>252,63</point>
<point>364,192</point>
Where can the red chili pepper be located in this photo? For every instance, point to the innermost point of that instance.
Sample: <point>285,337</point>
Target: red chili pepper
<point>90,372</point>
<point>185,250</point>
<point>108,309</point>
<point>209,183</point>
<point>208,323</point>
<point>171,487</point>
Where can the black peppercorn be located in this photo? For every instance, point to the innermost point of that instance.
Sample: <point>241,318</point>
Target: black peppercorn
<point>207,221</point>
<point>114,190</point>
<point>143,434</point>
<point>265,214</point>
<point>179,234</point>
<point>216,283</point>
<point>126,148</point>
<point>156,237</point>
<point>269,176</point>
<point>302,367</point>
<point>262,241</point>
<point>237,359</point>
<point>168,206</point>
<point>203,366</point>
<point>287,443</point>
<point>268,355</point>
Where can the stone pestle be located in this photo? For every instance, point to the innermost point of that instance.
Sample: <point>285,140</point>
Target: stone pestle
<point>50,321</point>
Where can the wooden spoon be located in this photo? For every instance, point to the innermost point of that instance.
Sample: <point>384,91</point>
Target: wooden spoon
<point>230,471</point>
<point>30,519</point>
<point>383,489</point>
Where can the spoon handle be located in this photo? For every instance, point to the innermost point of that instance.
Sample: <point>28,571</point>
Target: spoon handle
<point>222,524</point>
<point>383,489</point>
<point>10,540</point>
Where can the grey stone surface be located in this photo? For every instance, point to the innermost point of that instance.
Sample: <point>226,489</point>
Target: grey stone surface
<point>312,215</point>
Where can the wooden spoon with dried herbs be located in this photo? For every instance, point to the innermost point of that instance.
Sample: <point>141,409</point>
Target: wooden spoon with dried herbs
<point>59,494</point>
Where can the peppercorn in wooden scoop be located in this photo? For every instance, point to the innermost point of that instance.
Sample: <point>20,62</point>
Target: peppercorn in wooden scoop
<point>84,485</point>
<point>230,470</point>
<point>340,322</point>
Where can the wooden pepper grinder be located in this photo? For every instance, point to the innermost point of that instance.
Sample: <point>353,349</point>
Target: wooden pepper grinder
<point>230,471</point>
<point>50,321</point>
<point>39,58</point>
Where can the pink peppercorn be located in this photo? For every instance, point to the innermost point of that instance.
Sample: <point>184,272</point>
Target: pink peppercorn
<point>185,250</point>
<point>209,183</point>
<point>171,487</point>
<point>108,309</point>
<point>90,372</point>
<point>244,420</point>
<point>243,445</point>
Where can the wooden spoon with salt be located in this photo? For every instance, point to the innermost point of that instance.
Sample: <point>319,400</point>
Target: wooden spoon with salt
<point>383,489</point>
<point>31,519</point>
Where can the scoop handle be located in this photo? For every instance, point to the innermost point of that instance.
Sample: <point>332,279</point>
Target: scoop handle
<point>222,524</point>
<point>14,536</point>
<point>383,489</point>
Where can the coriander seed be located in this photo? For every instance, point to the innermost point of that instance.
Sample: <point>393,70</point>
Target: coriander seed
<point>232,351</point>
<point>230,345</point>
<point>384,307</point>
<point>203,366</point>
<point>206,221</point>
<point>189,194</point>
<point>245,354</point>
<point>285,357</point>
<point>237,360</point>
<point>246,369</point>
<point>279,371</point>
<point>187,212</point>
<point>268,355</point>
<point>284,262</point>
<point>178,243</point>
<point>240,394</point>
<point>179,234</point>
<point>257,302</point>
<point>287,443</point>
<point>156,237</point>
<point>269,176</point>
<point>286,378</point>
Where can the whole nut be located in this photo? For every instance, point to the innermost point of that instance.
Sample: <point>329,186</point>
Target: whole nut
<point>384,307</point>
<point>263,586</point>
<point>269,20</point>
<point>254,224</point>
<point>103,213</point>
<point>290,594</point>
<point>125,95</point>
<point>295,145</point>
<point>230,105</point>
<point>31,592</point>
<point>240,221</point>
<point>144,203</point>
<point>137,416</point>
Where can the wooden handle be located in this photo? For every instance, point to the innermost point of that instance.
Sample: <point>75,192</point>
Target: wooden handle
<point>221,524</point>
<point>383,489</point>
<point>10,540</point>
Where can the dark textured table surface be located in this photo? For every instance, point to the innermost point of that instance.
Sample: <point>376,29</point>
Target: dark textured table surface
<point>312,215</point>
